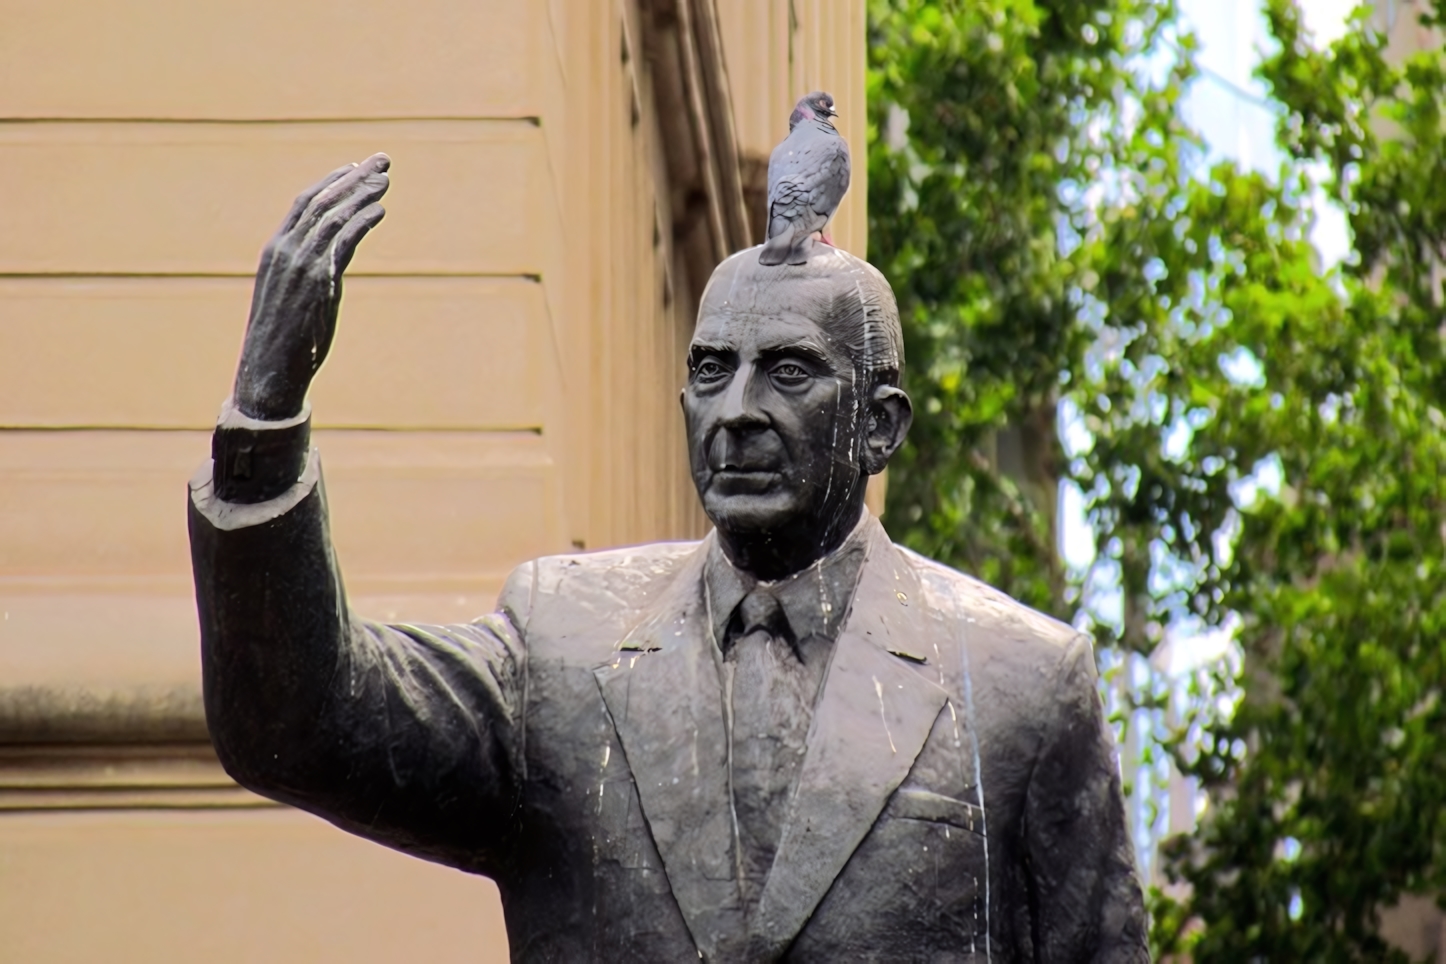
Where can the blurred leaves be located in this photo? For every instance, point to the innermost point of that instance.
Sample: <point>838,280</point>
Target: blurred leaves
<point>1264,437</point>
<point>988,123</point>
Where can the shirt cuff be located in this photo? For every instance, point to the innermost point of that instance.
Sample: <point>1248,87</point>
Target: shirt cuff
<point>255,460</point>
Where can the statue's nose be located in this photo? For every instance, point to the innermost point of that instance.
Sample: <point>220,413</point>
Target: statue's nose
<point>740,403</point>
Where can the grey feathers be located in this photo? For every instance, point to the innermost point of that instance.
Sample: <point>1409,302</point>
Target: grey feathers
<point>808,176</point>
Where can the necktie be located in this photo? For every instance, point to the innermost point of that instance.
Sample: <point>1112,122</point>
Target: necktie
<point>772,700</point>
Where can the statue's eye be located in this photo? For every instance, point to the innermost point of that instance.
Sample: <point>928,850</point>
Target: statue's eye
<point>790,373</point>
<point>709,370</point>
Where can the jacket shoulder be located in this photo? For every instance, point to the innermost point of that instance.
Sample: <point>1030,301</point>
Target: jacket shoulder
<point>591,594</point>
<point>627,568</point>
<point>980,612</point>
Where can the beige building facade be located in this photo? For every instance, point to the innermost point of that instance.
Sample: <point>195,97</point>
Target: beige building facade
<point>504,385</point>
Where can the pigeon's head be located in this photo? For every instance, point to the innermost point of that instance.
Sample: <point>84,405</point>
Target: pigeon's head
<point>815,106</point>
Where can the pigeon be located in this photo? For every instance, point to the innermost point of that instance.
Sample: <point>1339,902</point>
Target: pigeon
<point>808,176</point>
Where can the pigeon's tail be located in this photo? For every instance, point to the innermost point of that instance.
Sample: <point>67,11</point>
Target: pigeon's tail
<point>778,246</point>
<point>802,249</point>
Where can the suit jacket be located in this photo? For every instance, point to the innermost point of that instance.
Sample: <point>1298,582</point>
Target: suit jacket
<point>959,797</point>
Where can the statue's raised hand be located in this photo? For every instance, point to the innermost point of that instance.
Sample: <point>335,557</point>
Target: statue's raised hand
<point>298,288</point>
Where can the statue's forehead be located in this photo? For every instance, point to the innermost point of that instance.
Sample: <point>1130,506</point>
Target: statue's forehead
<point>742,289</point>
<point>725,322</point>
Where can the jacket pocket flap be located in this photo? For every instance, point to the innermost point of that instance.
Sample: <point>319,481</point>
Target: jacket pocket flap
<point>927,805</point>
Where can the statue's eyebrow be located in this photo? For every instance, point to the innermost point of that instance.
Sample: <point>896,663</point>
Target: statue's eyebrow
<point>700,350</point>
<point>807,350</point>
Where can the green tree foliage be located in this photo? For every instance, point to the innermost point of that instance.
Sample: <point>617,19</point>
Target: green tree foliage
<point>1265,437</point>
<point>980,150</point>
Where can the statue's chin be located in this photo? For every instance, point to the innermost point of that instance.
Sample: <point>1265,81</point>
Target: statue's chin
<point>758,512</point>
<point>781,529</point>
<point>751,514</point>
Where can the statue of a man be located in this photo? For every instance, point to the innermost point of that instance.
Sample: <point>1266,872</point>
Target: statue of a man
<point>792,740</point>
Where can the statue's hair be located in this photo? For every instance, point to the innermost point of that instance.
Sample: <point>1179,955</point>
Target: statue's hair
<point>848,297</point>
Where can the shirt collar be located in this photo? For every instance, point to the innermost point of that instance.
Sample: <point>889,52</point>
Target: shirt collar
<point>815,599</point>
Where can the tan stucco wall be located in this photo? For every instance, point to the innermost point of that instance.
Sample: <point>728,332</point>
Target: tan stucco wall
<point>503,385</point>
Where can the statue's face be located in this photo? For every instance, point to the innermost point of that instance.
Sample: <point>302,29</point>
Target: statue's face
<point>772,418</point>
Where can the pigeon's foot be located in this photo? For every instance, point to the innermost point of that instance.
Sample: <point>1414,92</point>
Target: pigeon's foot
<point>823,236</point>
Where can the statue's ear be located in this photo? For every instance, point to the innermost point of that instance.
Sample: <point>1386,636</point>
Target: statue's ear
<point>889,417</point>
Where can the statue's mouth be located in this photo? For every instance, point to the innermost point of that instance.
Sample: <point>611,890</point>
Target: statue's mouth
<point>744,481</point>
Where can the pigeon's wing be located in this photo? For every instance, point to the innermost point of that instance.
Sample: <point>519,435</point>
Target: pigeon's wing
<point>804,174</point>
<point>790,216</point>
<point>787,159</point>
<point>801,154</point>
<point>790,196</point>
<point>776,162</point>
<point>808,175</point>
<point>811,193</point>
<point>793,203</point>
<point>831,179</point>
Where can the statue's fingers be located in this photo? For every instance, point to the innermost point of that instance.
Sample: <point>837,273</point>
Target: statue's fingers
<point>362,194</point>
<point>338,191</point>
<point>378,163</point>
<point>351,233</point>
<point>303,199</point>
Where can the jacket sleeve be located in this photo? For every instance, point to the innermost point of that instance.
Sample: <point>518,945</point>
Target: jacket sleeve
<point>403,734</point>
<point>1084,893</point>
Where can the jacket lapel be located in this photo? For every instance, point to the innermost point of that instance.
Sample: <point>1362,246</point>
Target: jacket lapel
<point>663,692</point>
<point>870,723</point>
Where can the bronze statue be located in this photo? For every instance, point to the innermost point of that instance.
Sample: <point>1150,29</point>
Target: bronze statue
<point>792,740</point>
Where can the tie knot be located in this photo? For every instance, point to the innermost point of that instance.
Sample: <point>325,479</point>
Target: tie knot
<point>760,609</point>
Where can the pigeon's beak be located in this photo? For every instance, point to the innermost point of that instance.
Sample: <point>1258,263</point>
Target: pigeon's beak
<point>832,112</point>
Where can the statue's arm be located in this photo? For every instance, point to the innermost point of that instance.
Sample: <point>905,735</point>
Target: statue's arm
<point>1086,900</point>
<point>401,733</point>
